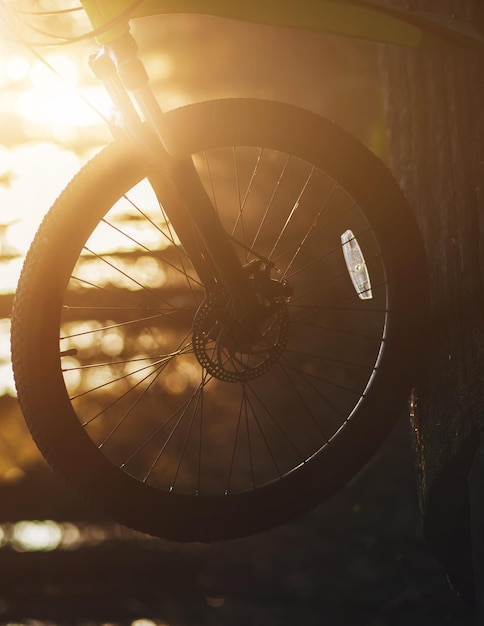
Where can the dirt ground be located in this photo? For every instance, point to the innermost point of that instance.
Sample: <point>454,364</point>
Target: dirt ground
<point>357,560</point>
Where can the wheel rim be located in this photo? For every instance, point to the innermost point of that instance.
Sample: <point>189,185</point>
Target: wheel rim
<point>134,351</point>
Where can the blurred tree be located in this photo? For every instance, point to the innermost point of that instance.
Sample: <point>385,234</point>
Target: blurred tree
<point>434,106</point>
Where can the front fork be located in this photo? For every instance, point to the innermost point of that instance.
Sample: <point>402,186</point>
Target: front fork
<point>173,177</point>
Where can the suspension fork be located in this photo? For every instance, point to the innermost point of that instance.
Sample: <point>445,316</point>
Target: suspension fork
<point>173,177</point>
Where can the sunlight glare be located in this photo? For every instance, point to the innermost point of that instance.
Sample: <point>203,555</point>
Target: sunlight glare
<point>17,68</point>
<point>72,375</point>
<point>112,342</point>
<point>71,536</point>
<point>63,110</point>
<point>36,536</point>
<point>7,385</point>
<point>53,99</point>
<point>186,373</point>
<point>38,172</point>
<point>10,272</point>
<point>4,160</point>
<point>58,69</point>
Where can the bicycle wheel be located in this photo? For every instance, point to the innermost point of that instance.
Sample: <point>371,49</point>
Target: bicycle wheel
<point>130,375</point>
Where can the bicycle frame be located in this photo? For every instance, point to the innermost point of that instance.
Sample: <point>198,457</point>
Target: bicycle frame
<point>348,18</point>
<point>346,360</point>
<point>184,198</point>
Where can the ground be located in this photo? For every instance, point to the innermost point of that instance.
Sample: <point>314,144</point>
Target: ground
<point>358,559</point>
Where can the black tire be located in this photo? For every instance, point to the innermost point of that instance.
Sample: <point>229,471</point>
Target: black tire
<point>130,417</point>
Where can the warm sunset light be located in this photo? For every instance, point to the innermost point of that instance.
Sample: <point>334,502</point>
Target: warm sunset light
<point>240,313</point>
<point>54,101</point>
<point>52,112</point>
<point>54,116</point>
<point>17,68</point>
<point>31,536</point>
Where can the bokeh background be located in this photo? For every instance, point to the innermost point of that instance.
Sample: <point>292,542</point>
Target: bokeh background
<point>358,559</point>
<point>52,109</point>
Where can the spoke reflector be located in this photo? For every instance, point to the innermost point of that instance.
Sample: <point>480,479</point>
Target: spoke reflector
<point>355,262</point>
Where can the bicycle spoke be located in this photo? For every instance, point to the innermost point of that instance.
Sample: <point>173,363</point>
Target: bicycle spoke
<point>169,237</point>
<point>117,399</point>
<point>270,203</point>
<point>160,361</point>
<point>290,217</point>
<point>115,325</point>
<point>234,445</point>
<point>156,408</point>
<point>88,283</point>
<point>194,399</point>
<point>307,376</point>
<point>307,236</point>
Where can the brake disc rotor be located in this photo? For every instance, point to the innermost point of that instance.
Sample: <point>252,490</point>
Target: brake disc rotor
<point>226,350</point>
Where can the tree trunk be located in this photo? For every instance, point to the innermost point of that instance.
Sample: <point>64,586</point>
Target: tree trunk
<point>434,102</point>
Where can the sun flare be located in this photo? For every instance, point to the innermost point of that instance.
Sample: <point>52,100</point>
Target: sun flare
<point>54,100</point>
<point>52,113</point>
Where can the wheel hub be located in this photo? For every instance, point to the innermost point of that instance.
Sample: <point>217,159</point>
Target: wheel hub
<point>232,350</point>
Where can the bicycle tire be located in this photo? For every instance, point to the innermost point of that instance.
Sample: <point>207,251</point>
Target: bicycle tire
<point>332,371</point>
